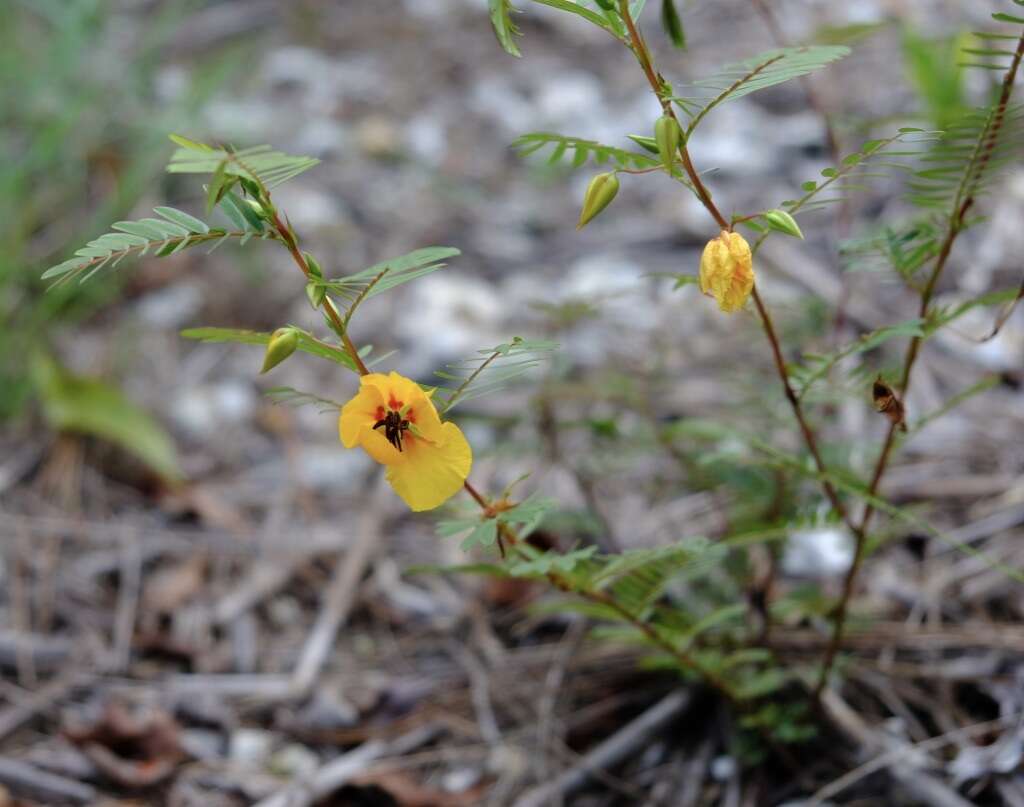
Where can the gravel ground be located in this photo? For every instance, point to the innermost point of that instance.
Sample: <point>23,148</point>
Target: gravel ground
<point>246,638</point>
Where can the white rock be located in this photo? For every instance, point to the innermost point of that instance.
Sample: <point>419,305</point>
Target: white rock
<point>250,747</point>
<point>202,410</point>
<point>460,779</point>
<point>723,768</point>
<point>569,97</point>
<point>294,761</point>
<point>332,468</point>
<point>817,552</point>
<point>170,307</point>
<point>453,316</point>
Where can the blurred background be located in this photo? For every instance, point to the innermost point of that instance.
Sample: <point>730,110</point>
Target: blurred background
<point>174,540</point>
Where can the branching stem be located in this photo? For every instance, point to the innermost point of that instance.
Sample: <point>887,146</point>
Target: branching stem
<point>963,202</point>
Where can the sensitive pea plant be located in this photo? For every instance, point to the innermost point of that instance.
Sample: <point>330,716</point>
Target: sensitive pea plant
<point>697,606</point>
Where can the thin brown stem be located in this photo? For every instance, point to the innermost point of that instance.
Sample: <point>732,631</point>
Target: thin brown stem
<point>292,244</point>
<point>798,412</point>
<point>963,203</point>
<point>643,55</point>
<point>477,496</point>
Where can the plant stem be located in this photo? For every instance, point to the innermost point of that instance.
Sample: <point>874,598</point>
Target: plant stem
<point>798,412</point>
<point>643,55</point>
<point>288,237</point>
<point>962,205</point>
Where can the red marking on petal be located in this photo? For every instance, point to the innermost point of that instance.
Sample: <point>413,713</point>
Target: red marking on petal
<point>396,405</point>
<point>381,413</point>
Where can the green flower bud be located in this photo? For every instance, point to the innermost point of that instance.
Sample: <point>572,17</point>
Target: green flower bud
<point>314,266</point>
<point>599,195</point>
<point>782,222</point>
<point>316,293</point>
<point>282,344</point>
<point>667,135</point>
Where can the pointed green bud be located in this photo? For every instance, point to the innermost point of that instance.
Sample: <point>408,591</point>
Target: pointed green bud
<point>256,208</point>
<point>599,195</point>
<point>316,293</point>
<point>646,143</point>
<point>314,266</point>
<point>781,221</point>
<point>667,135</point>
<point>282,344</point>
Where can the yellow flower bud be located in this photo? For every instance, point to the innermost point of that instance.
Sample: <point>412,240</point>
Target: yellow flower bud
<point>727,271</point>
<point>282,344</point>
<point>599,195</point>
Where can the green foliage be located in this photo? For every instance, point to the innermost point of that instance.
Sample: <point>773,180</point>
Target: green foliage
<point>608,20</point>
<point>905,249</point>
<point>260,164</point>
<point>492,370</point>
<point>581,151</point>
<point>296,398</point>
<point>504,28</point>
<point>817,366</point>
<point>94,408</point>
<point>895,153</point>
<point>80,144</point>
<point>672,24</point>
<point>961,163</point>
<point>742,78</point>
<point>172,233</point>
<point>542,564</point>
<point>307,342</point>
<point>384,276</point>
<point>934,69</point>
<point>482,530</point>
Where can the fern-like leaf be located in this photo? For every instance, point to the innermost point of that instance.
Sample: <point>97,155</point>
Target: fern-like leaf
<point>354,289</point>
<point>260,164</point>
<point>307,342</point>
<point>504,29</point>
<point>742,78</point>
<point>637,578</point>
<point>581,150</point>
<point>492,369</point>
<point>815,367</point>
<point>961,163</point>
<point>296,398</point>
<point>174,231</point>
<point>894,152</point>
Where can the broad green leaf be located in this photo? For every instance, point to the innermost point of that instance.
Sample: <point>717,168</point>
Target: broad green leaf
<point>95,408</point>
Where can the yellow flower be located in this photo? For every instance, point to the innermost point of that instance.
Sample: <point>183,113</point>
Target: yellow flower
<point>726,270</point>
<point>396,423</point>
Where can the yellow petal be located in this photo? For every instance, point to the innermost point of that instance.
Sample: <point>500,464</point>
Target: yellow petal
<point>431,473</point>
<point>363,409</point>
<point>377,446</point>
<point>726,270</point>
<point>397,389</point>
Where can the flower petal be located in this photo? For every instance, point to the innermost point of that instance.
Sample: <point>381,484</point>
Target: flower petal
<point>357,413</point>
<point>397,389</point>
<point>377,446</point>
<point>432,473</point>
